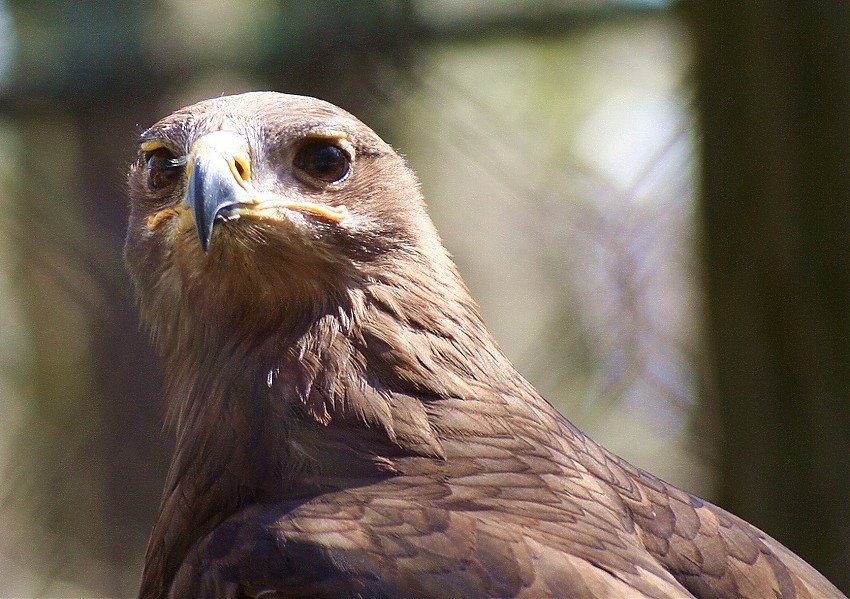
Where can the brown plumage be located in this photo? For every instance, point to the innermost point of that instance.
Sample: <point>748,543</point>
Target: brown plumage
<point>346,425</point>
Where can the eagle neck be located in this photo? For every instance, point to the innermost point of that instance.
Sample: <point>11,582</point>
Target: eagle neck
<point>229,452</point>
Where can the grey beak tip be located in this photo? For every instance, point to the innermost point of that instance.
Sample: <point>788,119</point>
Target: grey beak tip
<point>212,189</point>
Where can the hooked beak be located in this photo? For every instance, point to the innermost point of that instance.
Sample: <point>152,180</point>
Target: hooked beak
<point>219,180</point>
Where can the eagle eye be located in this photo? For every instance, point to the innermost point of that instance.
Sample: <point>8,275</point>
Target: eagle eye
<point>323,160</point>
<point>164,168</point>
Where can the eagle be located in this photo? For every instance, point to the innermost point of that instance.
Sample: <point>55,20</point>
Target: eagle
<point>346,426</point>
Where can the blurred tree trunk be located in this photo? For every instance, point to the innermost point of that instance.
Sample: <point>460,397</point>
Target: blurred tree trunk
<point>775,102</point>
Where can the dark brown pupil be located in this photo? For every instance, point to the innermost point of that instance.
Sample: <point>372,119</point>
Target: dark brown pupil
<point>322,160</point>
<point>163,168</point>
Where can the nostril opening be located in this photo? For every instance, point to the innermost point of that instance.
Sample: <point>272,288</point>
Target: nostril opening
<point>242,169</point>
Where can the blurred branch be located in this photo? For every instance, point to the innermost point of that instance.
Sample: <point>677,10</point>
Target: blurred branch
<point>530,21</point>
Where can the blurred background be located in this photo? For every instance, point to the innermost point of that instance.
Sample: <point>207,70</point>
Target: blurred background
<point>649,199</point>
